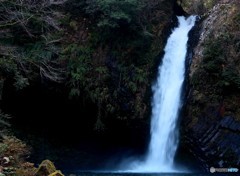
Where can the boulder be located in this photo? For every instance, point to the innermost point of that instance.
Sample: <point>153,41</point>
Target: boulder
<point>47,168</point>
<point>56,173</point>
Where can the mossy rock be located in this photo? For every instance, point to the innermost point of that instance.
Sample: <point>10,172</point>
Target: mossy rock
<point>197,6</point>
<point>56,173</point>
<point>45,168</point>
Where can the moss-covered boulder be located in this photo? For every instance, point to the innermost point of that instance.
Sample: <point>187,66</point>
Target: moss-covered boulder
<point>47,168</point>
<point>56,173</point>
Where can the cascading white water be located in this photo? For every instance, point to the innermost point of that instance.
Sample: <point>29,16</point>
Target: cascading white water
<point>166,102</point>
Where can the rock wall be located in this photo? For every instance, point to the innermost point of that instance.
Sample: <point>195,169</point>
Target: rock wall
<point>211,122</point>
<point>197,6</point>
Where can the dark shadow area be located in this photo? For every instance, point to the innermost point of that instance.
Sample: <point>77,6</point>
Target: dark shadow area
<point>62,129</point>
<point>178,10</point>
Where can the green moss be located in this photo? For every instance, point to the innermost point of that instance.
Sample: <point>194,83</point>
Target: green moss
<point>45,168</point>
<point>57,173</point>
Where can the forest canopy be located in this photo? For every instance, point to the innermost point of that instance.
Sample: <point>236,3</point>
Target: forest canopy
<point>103,51</point>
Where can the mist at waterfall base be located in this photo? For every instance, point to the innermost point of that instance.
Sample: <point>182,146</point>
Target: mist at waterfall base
<point>166,103</point>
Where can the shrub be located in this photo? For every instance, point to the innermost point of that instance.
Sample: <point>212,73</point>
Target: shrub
<point>15,150</point>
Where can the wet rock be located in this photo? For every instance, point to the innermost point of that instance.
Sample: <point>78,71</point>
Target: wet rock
<point>229,123</point>
<point>219,146</point>
<point>235,126</point>
<point>226,122</point>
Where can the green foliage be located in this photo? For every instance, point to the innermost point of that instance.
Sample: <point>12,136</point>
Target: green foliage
<point>213,57</point>
<point>111,20</point>
<point>231,77</point>
<point>8,66</point>
<point>27,21</point>
<point>78,67</point>
<point>219,64</point>
<point>110,67</point>
<point>116,13</point>
<point>4,124</point>
<point>77,7</point>
<point>85,75</point>
<point>138,78</point>
<point>40,52</point>
<point>30,43</point>
<point>20,81</point>
<point>107,13</point>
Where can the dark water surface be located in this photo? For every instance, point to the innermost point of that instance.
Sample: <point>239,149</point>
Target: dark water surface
<point>147,174</point>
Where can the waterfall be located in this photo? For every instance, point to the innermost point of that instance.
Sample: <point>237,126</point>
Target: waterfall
<point>166,102</point>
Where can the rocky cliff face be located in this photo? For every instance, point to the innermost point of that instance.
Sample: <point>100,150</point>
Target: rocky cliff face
<point>198,6</point>
<point>212,118</point>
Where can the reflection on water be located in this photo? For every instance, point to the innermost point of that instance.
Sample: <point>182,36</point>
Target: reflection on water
<point>144,174</point>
